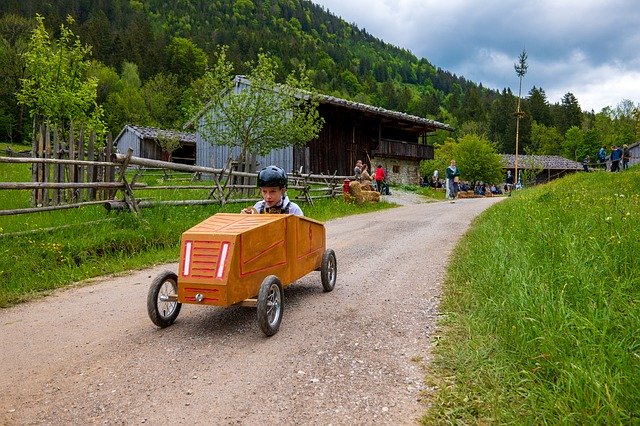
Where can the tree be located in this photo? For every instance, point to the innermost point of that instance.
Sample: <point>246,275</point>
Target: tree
<point>539,107</point>
<point>185,60</point>
<point>573,144</point>
<point>56,89</point>
<point>14,37</point>
<point>169,143</point>
<point>544,140</point>
<point>262,116</point>
<point>502,128</point>
<point>478,159</point>
<point>570,113</point>
<point>443,153</point>
<point>162,96</point>
<point>474,154</point>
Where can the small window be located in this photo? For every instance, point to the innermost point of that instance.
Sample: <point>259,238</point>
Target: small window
<point>396,169</point>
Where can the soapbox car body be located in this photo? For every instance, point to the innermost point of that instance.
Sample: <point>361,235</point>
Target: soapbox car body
<point>242,259</point>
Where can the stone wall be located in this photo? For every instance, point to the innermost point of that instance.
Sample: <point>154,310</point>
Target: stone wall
<point>399,171</point>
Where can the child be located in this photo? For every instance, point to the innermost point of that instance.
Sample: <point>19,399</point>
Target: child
<point>272,182</point>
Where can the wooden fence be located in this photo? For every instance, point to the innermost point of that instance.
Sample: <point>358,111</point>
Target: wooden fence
<point>62,183</point>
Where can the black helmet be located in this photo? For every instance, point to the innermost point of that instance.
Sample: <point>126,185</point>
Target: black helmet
<point>272,176</point>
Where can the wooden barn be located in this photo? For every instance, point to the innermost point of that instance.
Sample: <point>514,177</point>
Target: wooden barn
<point>351,131</point>
<point>145,143</point>
<point>634,152</point>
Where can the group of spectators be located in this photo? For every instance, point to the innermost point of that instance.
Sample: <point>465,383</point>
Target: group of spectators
<point>617,154</point>
<point>377,182</point>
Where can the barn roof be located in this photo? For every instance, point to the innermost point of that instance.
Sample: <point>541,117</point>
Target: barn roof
<point>546,162</point>
<point>405,120</point>
<point>415,121</point>
<point>154,133</point>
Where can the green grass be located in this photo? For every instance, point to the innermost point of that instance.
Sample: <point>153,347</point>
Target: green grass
<point>542,309</point>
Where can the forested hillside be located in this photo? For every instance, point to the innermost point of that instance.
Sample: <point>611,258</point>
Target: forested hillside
<point>149,55</point>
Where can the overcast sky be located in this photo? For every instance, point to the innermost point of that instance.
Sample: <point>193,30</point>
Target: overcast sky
<point>590,48</point>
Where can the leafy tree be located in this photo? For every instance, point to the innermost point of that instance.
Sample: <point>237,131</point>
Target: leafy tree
<point>478,159</point>
<point>443,153</point>
<point>573,144</point>
<point>126,106</point>
<point>474,154</point>
<point>56,88</point>
<point>261,117</point>
<point>162,95</point>
<point>125,103</point>
<point>544,140</point>
<point>185,60</point>
<point>169,143</point>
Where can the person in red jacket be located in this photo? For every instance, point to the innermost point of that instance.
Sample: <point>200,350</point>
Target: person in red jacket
<point>379,176</point>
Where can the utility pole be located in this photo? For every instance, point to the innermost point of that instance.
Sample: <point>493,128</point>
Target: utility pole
<point>521,70</point>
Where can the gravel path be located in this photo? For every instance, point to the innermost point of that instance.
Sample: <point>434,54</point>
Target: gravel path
<point>352,356</point>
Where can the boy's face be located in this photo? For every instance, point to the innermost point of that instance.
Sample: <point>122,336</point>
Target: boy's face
<point>272,195</point>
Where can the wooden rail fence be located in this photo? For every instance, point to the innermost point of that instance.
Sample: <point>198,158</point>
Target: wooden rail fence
<point>63,183</point>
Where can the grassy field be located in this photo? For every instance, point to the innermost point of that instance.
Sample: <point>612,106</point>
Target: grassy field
<point>542,309</point>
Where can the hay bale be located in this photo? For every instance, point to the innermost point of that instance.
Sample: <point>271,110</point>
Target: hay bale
<point>357,191</point>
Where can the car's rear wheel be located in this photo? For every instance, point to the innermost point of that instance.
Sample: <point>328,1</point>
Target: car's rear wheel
<point>328,270</point>
<point>270,305</point>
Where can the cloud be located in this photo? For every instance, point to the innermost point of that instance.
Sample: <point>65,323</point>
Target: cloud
<point>586,47</point>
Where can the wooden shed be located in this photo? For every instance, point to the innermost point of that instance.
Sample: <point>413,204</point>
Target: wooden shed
<point>352,131</point>
<point>634,152</point>
<point>546,167</point>
<point>145,143</point>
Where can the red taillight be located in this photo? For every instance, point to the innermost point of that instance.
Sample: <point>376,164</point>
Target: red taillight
<point>222,259</point>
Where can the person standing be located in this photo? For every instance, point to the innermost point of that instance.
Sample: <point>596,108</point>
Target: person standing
<point>616,155</point>
<point>585,163</point>
<point>452,174</point>
<point>602,158</point>
<point>379,176</point>
<point>626,155</point>
<point>509,182</point>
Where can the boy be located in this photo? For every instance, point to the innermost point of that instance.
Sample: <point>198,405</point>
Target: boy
<point>272,182</point>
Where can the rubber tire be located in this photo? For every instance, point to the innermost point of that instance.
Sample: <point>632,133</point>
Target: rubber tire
<point>270,305</point>
<point>328,270</point>
<point>163,314</point>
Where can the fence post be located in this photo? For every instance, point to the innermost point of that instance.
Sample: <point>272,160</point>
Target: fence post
<point>55,196</point>
<point>47,154</point>
<point>72,168</point>
<point>91,169</point>
<point>81,168</point>
<point>127,192</point>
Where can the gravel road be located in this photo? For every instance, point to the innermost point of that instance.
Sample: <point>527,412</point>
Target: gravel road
<point>349,357</point>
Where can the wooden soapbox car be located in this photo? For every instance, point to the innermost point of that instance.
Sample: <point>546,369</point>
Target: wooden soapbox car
<point>242,259</point>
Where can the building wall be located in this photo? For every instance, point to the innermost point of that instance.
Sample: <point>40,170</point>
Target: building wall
<point>634,151</point>
<point>216,156</point>
<point>127,140</point>
<point>400,172</point>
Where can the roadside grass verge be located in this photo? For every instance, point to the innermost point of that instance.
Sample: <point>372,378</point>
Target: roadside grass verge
<point>541,309</point>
